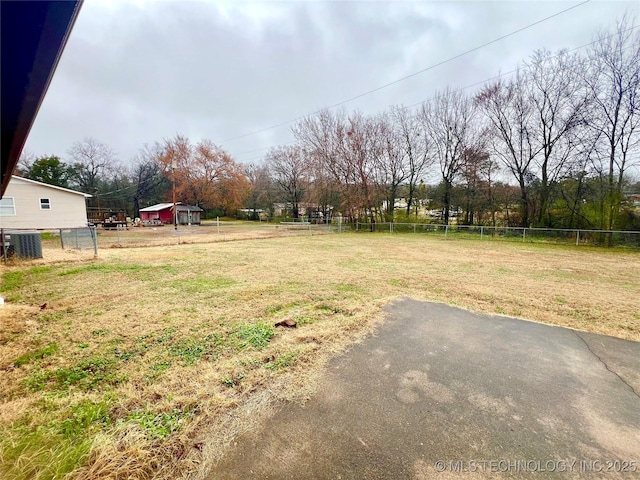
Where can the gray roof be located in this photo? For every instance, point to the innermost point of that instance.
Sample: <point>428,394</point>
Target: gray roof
<point>189,208</point>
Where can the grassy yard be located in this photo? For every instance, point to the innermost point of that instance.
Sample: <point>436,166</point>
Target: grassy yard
<point>147,362</point>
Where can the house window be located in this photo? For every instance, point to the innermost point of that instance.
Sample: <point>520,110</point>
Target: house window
<point>45,204</point>
<point>7,207</point>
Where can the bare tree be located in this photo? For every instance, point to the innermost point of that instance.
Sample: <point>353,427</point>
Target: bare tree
<point>25,162</point>
<point>389,167</point>
<point>324,192</point>
<point>509,111</point>
<point>261,191</point>
<point>326,139</point>
<point>448,120</point>
<point>614,83</point>
<point>558,99</point>
<point>361,148</point>
<point>416,147</point>
<point>476,177</point>
<point>93,161</point>
<point>147,174</point>
<point>290,169</point>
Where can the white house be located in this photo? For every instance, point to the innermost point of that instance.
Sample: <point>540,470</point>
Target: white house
<point>30,204</point>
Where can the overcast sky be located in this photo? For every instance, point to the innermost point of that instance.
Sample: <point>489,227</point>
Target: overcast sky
<point>135,72</point>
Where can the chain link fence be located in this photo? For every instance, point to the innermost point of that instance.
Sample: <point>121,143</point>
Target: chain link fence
<point>65,244</point>
<point>73,244</point>
<point>210,232</point>
<point>608,238</point>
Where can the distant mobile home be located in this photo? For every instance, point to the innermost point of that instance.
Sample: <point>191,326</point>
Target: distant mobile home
<point>28,204</point>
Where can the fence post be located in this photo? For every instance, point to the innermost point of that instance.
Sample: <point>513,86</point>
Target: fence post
<point>390,227</point>
<point>94,237</point>
<point>77,245</point>
<point>62,239</point>
<point>4,245</point>
<point>446,230</point>
<point>218,224</point>
<point>577,237</point>
<point>356,225</point>
<point>414,228</point>
<point>481,232</point>
<point>524,234</point>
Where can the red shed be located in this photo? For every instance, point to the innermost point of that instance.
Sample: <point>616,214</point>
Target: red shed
<point>163,213</point>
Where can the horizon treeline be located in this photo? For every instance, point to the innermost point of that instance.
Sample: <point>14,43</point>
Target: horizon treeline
<point>556,144</point>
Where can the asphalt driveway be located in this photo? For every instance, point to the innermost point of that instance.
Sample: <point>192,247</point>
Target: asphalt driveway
<point>440,392</point>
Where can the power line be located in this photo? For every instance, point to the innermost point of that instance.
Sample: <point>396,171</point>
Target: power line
<point>458,89</point>
<point>261,149</point>
<point>410,75</point>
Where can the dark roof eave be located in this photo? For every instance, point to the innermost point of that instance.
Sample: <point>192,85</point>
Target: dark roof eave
<point>34,35</point>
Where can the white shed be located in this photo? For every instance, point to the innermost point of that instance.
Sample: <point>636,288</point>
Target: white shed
<point>36,205</point>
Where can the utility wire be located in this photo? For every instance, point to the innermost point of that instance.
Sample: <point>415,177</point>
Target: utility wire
<point>495,77</point>
<point>412,74</point>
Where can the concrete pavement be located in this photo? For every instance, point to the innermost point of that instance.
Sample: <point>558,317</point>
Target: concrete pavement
<point>441,392</point>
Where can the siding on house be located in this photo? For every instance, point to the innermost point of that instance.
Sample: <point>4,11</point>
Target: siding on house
<point>65,208</point>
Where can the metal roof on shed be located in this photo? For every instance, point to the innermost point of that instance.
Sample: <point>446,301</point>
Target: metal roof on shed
<point>157,207</point>
<point>164,206</point>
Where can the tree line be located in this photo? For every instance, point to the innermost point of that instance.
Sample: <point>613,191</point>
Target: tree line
<point>554,145</point>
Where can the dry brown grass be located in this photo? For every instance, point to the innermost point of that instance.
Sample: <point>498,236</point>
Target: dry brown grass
<point>172,319</point>
<point>208,232</point>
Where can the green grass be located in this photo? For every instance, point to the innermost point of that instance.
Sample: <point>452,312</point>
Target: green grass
<point>40,454</point>
<point>84,416</point>
<point>49,450</point>
<point>105,268</point>
<point>41,270</point>
<point>346,287</point>
<point>191,350</point>
<point>232,381</point>
<point>202,284</point>
<point>282,362</point>
<point>12,281</point>
<point>255,335</point>
<point>36,355</point>
<point>157,369</point>
<point>304,319</point>
<point>117,268</point>
<point>159,425</point>
<point>87,374</point>
<point>50,317</point>
<point>170,344</point>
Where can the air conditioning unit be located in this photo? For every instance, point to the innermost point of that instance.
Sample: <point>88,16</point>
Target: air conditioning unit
<point>24,244</point>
